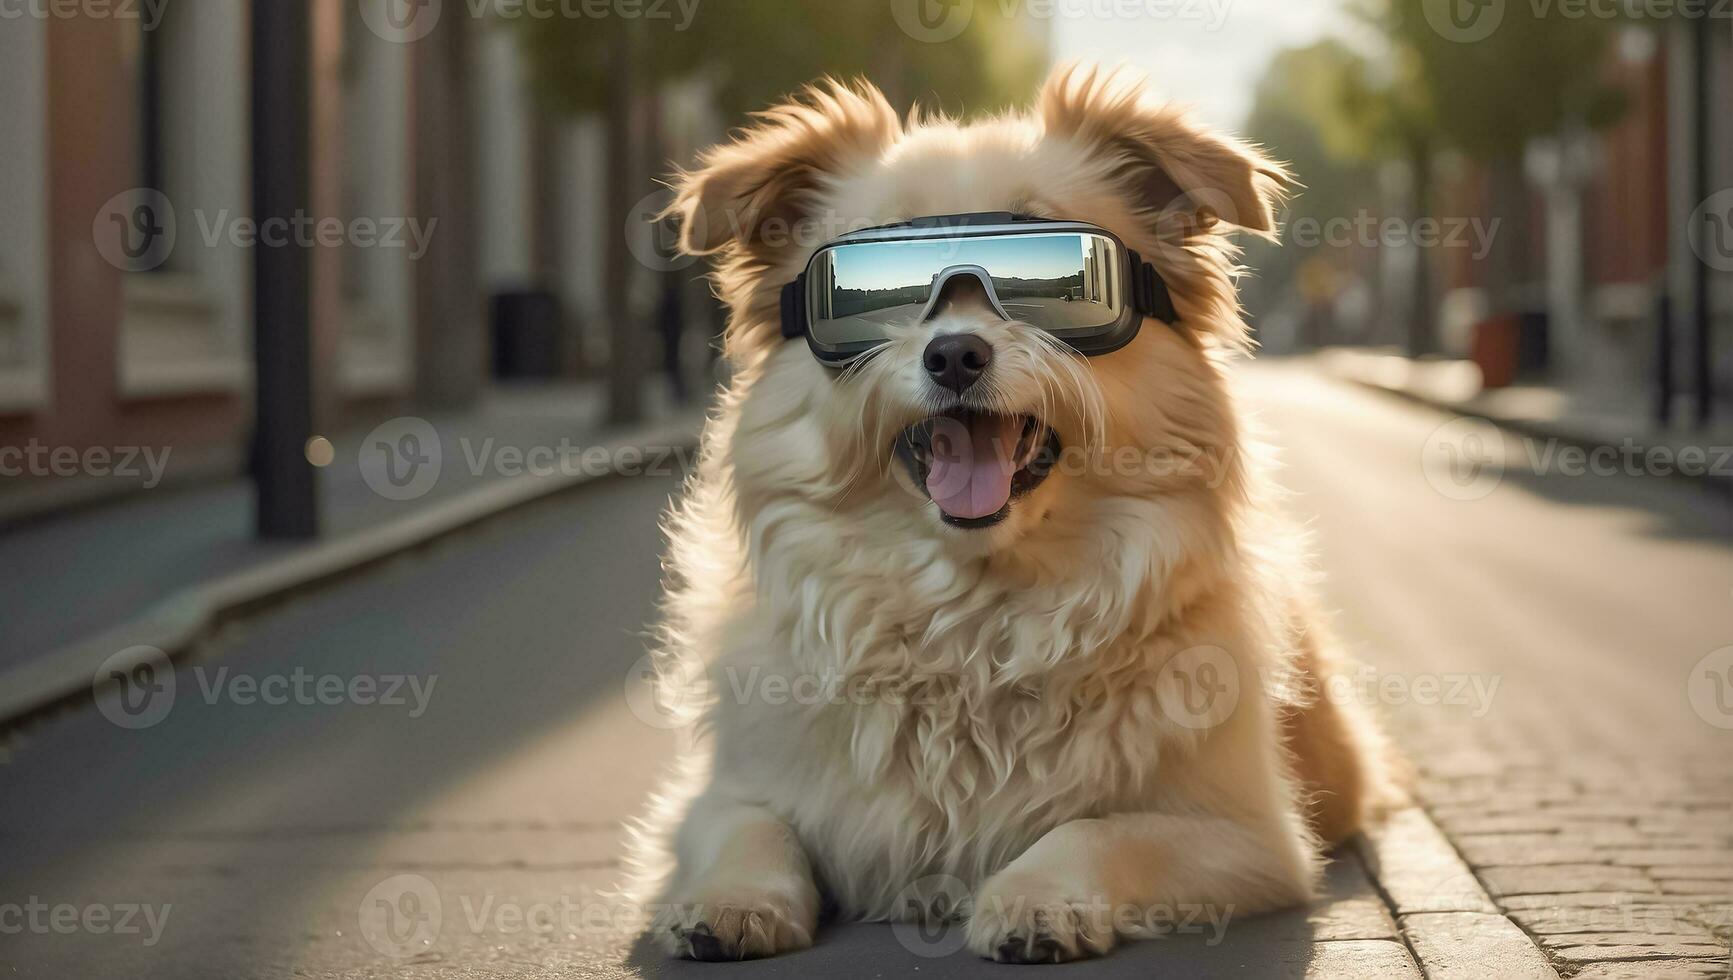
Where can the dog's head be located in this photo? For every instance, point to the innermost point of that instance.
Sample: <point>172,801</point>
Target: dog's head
<point>1029,435</point>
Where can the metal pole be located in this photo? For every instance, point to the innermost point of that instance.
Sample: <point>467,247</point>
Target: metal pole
<point>1704,372</point>
<point>285,490</point>
<point>1664,360</point>
<point>625,372</point>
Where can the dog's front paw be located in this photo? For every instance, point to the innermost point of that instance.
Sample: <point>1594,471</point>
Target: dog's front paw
<point>1022,918</point>
<point>735,925</point>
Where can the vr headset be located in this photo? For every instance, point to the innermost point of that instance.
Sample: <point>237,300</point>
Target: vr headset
<point>1074,280</point>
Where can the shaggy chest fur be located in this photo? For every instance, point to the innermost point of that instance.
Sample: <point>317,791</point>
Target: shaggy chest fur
<point>949,748</point>
<point>934,714</point>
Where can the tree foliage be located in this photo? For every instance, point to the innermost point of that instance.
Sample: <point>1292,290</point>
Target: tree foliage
<point>757,51</point>
<point>1539,72</point>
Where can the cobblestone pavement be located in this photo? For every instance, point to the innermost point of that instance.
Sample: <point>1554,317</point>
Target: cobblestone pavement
<point>1543,647</point>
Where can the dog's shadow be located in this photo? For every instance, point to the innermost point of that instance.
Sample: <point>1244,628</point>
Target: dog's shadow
<point>1347,931</point>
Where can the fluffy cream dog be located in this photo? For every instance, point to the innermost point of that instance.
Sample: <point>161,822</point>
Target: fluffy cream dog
<point>1099,703</point>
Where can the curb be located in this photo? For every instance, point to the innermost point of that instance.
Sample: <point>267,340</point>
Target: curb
<point>1451,925</point>
<point>1533,429</point>
<point>175,624</point>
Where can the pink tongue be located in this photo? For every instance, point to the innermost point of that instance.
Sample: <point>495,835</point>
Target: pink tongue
<point>972,466</point>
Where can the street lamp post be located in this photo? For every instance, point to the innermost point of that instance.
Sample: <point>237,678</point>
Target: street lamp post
<point>1702,170</point>
<point>285,491</point>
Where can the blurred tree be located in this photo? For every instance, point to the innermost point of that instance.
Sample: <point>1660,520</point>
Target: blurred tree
<point>1300,114</point>
<point>1396,119</point>
<point>752,52</point>
<point>1539,73</point>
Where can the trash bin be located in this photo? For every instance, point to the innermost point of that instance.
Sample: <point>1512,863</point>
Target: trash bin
<point>526,334</point>
<point>1495,347</point>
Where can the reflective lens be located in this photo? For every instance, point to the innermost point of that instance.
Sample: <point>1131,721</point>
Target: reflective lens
<point>1066,283</point>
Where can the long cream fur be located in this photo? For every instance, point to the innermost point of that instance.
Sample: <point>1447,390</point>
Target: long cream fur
<point>896,717</point>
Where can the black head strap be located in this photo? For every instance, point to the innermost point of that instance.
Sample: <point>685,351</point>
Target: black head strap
<point>1149,292</point>
<point>794,308</point>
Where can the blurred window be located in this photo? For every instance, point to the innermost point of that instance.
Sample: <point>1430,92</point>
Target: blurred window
<point>142,54</point>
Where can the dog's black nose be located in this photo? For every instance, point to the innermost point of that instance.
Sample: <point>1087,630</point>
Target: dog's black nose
<point>957,360</point>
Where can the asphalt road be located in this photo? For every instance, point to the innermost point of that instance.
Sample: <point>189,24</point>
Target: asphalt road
<point>111,564</point>
<point>242,839</point>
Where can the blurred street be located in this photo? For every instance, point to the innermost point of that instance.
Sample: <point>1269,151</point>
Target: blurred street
<point>161,544</point>
<point>351,350</point>
<point>1556,717</point>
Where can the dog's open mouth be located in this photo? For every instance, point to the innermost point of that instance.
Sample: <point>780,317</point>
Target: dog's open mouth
<point>973,464</point>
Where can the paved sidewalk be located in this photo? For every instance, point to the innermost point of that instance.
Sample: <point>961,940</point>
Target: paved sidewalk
<point>1622,427</point>
<point>1588,782</point>
<point>68,577</point>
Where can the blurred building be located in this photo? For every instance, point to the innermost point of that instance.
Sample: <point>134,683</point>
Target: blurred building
<point>449,185</point>
<point>1611,248</point>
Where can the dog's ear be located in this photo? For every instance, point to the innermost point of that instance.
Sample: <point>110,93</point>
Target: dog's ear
<point>1169,165</point>
<point>756,190</point>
